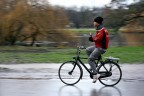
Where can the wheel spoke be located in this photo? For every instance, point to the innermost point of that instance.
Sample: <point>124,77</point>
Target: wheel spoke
<point>116,74</point>
<point>69,73</point>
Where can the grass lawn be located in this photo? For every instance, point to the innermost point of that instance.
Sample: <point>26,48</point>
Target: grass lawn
<point>127,54</point>
<point>19,54</point>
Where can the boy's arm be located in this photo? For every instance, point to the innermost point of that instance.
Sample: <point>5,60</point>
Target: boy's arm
<point>91,38</point>
<point>98,37</point>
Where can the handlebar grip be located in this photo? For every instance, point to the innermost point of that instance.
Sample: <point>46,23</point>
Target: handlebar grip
<point>82,47</point>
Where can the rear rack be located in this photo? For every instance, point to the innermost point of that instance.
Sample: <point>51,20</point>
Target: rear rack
<point>110,58</point>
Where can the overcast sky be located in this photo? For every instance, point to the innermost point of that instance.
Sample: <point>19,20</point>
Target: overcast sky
<point>79,3</point>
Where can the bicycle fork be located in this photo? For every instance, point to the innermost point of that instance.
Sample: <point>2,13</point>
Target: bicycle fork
<point>70,73</point>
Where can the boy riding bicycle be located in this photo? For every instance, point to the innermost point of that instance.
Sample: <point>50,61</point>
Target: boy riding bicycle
<point>101,41</point>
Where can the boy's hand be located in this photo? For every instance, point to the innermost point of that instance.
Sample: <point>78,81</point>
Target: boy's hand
<point>91,39</point>
<point>90,34</point>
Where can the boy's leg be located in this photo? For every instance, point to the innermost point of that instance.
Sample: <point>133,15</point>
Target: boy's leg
<point>89,50</point>
<point>97,52</point>
<point>91,59</point>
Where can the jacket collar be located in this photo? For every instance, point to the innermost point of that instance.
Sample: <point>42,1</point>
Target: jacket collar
<point>100,27</point>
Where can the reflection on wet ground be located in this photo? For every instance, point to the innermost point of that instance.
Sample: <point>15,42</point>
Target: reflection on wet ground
<point>54,87</point>
<point>42,80</point>
<point>102,91</point>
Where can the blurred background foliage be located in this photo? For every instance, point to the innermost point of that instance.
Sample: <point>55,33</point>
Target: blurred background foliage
<point>31,20</point>
<point>37,23</point>
<point>34,21</point>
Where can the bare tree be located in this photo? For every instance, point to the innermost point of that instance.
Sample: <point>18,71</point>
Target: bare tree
<point>32,20</point>
<point>124,14</point>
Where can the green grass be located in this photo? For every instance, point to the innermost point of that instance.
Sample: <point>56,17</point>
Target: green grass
<point>127,54</point>
<point>19,54</point>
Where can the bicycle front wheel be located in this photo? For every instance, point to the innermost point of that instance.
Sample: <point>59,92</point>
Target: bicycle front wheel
<point>70,73</point>
<point>115,73</point>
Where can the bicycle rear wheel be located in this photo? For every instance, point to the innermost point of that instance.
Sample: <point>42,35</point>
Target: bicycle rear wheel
<point>115,71</point>
<point>70,73</point>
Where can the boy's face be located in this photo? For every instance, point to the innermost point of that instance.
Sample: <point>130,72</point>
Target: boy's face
<point>96,24</point>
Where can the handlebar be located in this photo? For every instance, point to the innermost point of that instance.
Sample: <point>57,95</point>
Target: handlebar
<point>81,47</point>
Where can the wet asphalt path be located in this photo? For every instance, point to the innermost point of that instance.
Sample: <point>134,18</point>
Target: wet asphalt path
<point>42,80</point>
<point>54,87</point>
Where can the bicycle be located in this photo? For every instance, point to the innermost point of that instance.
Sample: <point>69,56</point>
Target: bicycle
<point>71,72</point>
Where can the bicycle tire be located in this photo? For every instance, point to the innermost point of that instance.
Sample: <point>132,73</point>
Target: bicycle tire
<point>115,76</point>
<point>67,76</point>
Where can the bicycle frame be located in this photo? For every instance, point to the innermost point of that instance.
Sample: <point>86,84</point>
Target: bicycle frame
<point>78,59</point>
<point>104,68</point>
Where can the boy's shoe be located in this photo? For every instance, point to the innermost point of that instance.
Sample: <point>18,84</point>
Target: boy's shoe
<point>95,77</point>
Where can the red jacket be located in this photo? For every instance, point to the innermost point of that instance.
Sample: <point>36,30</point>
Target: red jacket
<point>101,38</point>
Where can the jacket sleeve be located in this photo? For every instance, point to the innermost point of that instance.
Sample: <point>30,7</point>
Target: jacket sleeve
<point>98,36</point>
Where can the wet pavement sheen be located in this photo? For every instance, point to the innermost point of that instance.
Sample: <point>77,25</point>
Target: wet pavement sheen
<point>42,80</point>
<point>54,87</point>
